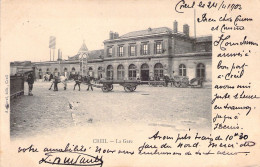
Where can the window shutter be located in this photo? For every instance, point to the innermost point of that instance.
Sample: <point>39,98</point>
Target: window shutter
<point>166,45</point>
<point>163,46</point>
<point>141,49</point>
<point>148,48</point>
<point>107,52</point>
<point>129,50</point>
<point>113,51</point>
<point>135,50</point>
<point>118,53</point>
<point>154,48</point>
<point>124,50</point>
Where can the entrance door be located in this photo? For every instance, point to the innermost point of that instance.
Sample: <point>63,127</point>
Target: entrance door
<point>144,72</point>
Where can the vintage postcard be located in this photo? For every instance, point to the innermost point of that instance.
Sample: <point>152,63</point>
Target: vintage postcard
<point>130,83</point>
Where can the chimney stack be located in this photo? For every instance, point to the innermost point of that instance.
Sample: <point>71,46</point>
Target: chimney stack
<point>175,26</point>
<point>186,30</point>
<point>59,54</point>
<point>111,35</point>
<point>116,35</point>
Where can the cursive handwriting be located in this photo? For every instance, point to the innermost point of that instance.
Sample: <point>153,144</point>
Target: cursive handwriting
<point>71,158</point>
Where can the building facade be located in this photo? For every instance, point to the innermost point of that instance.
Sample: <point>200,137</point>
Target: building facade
<point>145,54</point>
<point>152,53</point>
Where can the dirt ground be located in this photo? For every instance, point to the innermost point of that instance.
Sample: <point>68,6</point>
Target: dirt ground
<point>46,110</point>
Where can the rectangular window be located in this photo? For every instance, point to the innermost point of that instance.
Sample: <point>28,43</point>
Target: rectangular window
<point>121,51</point>
<point>158,47</point>
<point>109,52</point>
<point>132,50</point>
<point>145,49</point>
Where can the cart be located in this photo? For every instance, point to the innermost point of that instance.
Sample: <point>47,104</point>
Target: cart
<point>129,85</point>
<point>184,82</point>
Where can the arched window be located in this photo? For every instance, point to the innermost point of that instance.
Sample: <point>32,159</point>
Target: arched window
<point>182,70</point>
<point>158,71</point>
<point>110,72</point>
<point>73,69</point>
<point>145,67</point>
<point>47,71</point>
<point>120,72</point>
<point>100,72</point>
<point>132,72</point>
<point>56,70</point>
<point>200,71</point>
<point>65,73</point>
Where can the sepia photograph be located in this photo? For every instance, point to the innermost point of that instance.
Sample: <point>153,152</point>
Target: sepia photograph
<point>131,83</point>
<point>79,74</point>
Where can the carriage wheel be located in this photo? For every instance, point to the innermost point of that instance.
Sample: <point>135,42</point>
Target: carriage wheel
<point>128,88</point>
<point>134,88</point>
<point>177,84</point>
<point>110,87</point>
<point>105,88</point>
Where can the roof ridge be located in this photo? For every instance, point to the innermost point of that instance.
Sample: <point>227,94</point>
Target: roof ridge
<point>144,30</point>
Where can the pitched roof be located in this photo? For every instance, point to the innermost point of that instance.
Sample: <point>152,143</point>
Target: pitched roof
<point>83,48</point>
<point>94,54</point>
<point>207,38</point>
<point>148,31</point>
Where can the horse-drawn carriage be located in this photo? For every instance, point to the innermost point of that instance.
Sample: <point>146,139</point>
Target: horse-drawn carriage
<point>107,85</point>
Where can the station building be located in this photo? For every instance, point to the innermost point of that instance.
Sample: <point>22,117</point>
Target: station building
<point>144,54</point>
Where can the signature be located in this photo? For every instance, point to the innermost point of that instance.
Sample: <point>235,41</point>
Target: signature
<point>71,158</point>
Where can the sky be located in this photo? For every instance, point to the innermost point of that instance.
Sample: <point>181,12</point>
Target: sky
<point>27,25</point>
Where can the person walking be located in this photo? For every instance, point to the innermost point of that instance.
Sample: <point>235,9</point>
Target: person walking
<point>63,79</point>
<point>78,80</point>
<point>89,83</point>
<point>51,77</point>
<point>56,81</point>
<point>30,81</point>
<point>166,80</point>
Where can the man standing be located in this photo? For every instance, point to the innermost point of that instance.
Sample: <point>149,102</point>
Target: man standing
<point>89,83</point>
<point>78,80</point>
<point>56,81</point>
<point>30,81</point>
<point>166,80</point>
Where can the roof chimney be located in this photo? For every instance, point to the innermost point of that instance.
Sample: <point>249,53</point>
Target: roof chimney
<point>186,30</point>
<point>116,35</point>
<point>175,26</point>
<point>111,35</point>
